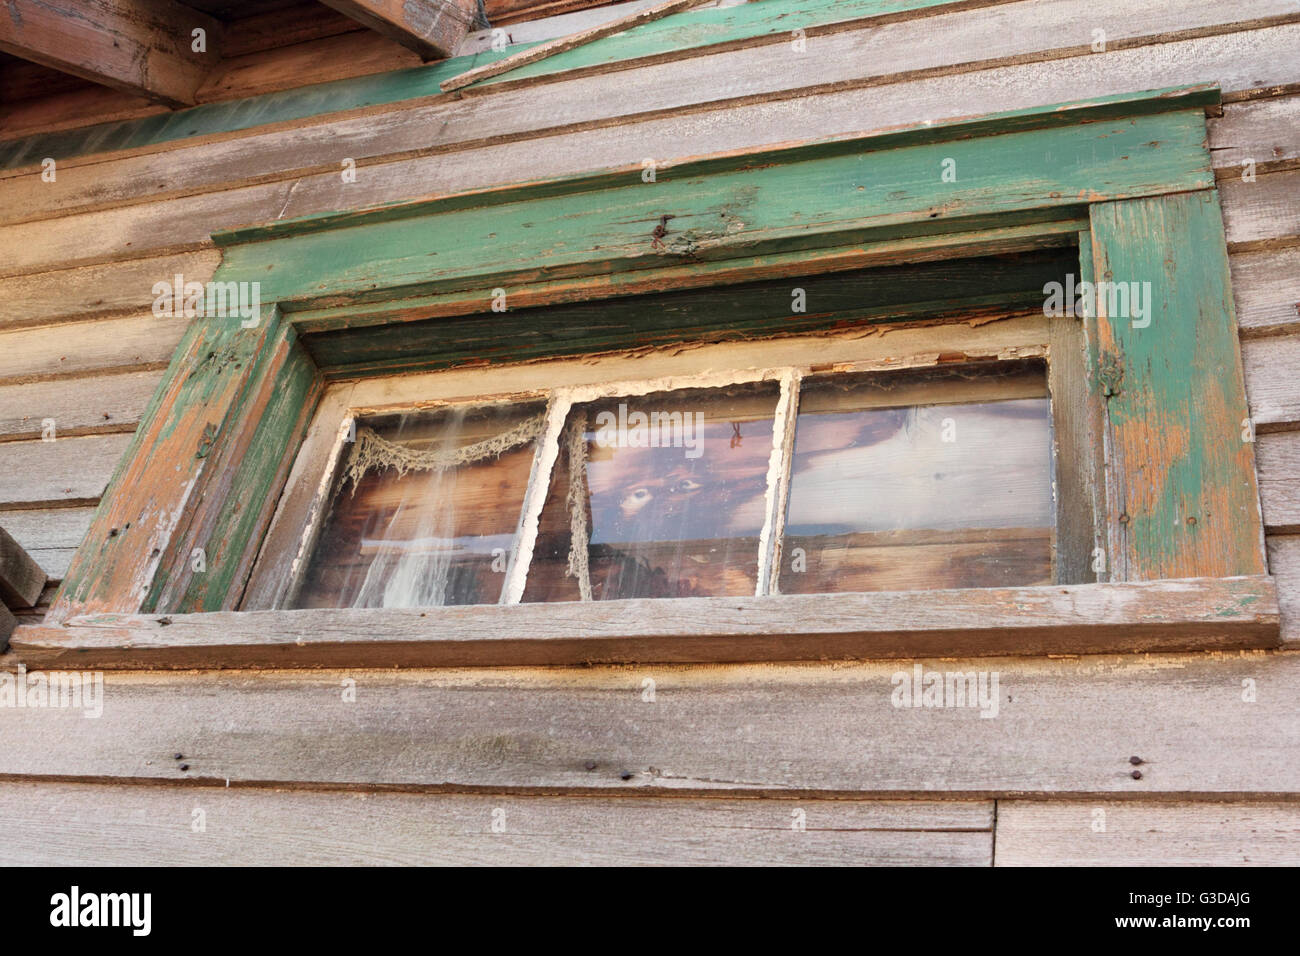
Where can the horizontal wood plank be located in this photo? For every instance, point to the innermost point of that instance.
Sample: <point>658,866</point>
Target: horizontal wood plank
<point>113,289</point>
<point>69,824</point>
<point>1063,726</point>
<point>1093,618</point>
<point>1266,285</point>
<point>1256,136</point>
<point>75,406</point>
<point>1272,368</point>
<point>1262,214</point>
<point>73,349</point>
<point>1278,458</point>
<point>69,469</point>
<point>1141,833</point>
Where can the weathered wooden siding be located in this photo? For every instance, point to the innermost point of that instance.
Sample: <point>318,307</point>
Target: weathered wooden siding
<point>78,344</point>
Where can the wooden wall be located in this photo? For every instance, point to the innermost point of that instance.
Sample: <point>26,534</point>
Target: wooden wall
<point>78,344</point>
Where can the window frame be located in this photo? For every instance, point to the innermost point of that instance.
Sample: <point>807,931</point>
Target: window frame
<point>1126,177</point>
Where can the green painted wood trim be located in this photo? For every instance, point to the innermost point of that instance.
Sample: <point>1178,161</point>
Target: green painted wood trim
<point>705,31</point>
<point>723,212</point>
<point>1181,497</point>
<point>1121,106</point>
<point>234,510</point>
<point>203,416</point>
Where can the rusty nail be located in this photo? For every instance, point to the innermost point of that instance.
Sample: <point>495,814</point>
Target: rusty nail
<point>1135,760</point>
<point>1136,775</point>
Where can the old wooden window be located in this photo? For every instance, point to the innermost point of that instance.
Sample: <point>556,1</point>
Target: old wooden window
<point>766,481</point>
<point>1108,502</point>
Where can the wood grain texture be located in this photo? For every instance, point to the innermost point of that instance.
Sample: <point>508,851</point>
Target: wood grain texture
<point>1284,565</point>
<point>432,28</point>
<point>7,624</point>
<point>1063,726</point>
<point>1262,214</point>
<point>1181,494</point>
<point>21,578</point>
<point>1266,285</point>
<point>1257,136</point>
<point>95,292</point>
<point>104,825</point>
<point>1141,833</point>
<point>138,46</point>
<point>1056,619</point>
<point>95,404</point>
<point>33,473</point>
<point>1279,483</point>
<point>1272,369</point>
<point>74,349</point>
<point>47,527</point>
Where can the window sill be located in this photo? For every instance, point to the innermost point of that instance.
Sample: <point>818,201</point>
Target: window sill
<point>1171,615</point>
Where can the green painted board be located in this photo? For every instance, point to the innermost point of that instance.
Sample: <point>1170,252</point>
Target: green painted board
<point>846,196</point>
<point>1180,474</point>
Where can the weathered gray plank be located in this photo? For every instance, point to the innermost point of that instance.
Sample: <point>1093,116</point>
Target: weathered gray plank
<point>1284,565</point>
<point>1272,367</point>
<point>69,469</point>
<point>139,342</point>
<point>417,167</point>
<point>1260,134</point>
<point>99,825</point>
<point>1141,833</point>
<point>75,406</point>
<point>117,288</point>
<point>45,528</point>
<point>1266,286</point>
<point>1277,456</point>
<point>21,578</point>
<point>1257,214</point>
<point>1063,725</point>
<point>1153,615</point>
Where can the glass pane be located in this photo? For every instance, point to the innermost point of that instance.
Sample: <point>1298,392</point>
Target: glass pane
<point>657,496</point>
<point>913,480</point>
<point>427,509</point>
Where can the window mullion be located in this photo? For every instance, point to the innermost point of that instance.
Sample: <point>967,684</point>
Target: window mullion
<point>539,483</point>
<point>778,483</point>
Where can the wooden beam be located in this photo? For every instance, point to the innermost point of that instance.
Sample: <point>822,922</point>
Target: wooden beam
<point>88,824</point>
<point>21,578</point>
<point>137,46</point>
<point>1090,618</point>
<point>432,28</point>
<point>1062,726</point>
<point>1180,473</point>
<point>571,42</point>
